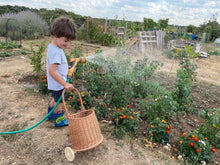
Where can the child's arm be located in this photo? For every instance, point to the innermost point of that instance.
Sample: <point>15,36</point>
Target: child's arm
<point>56,76</point>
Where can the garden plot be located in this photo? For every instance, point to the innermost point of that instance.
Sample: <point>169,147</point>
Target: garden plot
<point>22,107</point>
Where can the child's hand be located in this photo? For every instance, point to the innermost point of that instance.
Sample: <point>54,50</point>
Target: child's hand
<point>69,87</point>
<point>73,70</point>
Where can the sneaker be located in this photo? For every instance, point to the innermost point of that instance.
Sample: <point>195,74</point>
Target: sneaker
<point>59,120</point>
<point>51,116</point>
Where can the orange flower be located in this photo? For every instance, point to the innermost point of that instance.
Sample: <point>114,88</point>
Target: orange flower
<point>213,150</point>
<point>124,116</point>
<point>131,117</point>
<point>128,106</point>
<point>121,117</point>
<point>168,131</point>
<point>198,150</point>
<point>192,136</point>
<point>191,144</point>
<point>116,119</point>
<point>45,77</point>
<point>163,121</point>
<point>45,85</point>
<point>205,138</point>
<point>168,127</point>
<point>118,110</point>
<point>188,138</point>
<point>131,112</point>
<point>70,97</point>
<point>151,126</point>
<point>196,139</point>
<point>184,134</point>
<point>104,104</point>
<point>78,100</point>
<point>45,80</point>
<point>71,93</point>
<point>152,134</point>
<point>181,142</point>
<point>99,97</point>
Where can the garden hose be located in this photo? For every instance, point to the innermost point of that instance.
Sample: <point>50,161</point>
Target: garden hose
<point>27,129</point>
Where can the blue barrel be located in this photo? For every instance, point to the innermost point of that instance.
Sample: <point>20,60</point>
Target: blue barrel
<point>192,36</point>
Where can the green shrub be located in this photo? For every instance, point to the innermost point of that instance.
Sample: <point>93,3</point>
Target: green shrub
<point>36,58</point>
<point>195,148</point>
<point>126,119</point>
<point>107,39</point>
<point>186,74</point>
<point>159,131</point>
<point>211,127</point>
<point>100,109</point>
<point>162,105</point>
<point>75,102</point>
<point>31,25</point>
<point>43,89</point>
<point>7,45</point>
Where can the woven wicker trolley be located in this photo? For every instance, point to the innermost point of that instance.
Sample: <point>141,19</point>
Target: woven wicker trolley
<point>84,130</point>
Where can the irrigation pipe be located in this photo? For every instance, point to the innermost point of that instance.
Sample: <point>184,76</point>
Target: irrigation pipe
<point>35,125</point>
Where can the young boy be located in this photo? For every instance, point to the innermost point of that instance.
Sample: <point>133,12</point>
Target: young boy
<point>63,31</point>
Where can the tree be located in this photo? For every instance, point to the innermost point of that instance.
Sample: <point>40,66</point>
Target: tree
<point>212,27</point>
<point>149,24</point>
<point>163,23</point>
<point>191,29</point>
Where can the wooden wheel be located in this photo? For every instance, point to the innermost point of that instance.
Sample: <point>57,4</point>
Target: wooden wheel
<point>70,154</point>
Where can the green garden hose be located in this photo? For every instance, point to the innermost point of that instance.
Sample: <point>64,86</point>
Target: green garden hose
<point>27,129</point>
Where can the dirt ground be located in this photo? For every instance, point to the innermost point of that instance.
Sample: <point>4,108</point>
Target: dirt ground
<point>21,108</point>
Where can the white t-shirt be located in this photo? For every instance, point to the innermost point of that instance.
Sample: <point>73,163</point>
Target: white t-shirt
<point>56,55</point>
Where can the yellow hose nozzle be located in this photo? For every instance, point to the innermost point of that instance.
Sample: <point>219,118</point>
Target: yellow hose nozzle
<point>74,62</point>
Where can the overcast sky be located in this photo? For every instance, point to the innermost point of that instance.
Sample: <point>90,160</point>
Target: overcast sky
<point>179,12</point>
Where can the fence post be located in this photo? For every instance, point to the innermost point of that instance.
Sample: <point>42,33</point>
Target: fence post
<point>105,25</point>
<point>160,39</point>
<point>87,36</point>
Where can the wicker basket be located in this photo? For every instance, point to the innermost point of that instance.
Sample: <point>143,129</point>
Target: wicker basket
<point>84,128</point>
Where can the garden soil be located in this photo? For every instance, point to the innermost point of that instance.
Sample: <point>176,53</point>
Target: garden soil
<point>21,107</point>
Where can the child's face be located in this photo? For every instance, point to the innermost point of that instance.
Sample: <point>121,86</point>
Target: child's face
<point>61,42</point>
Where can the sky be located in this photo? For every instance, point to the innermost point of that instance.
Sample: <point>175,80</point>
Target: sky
<point>179,12</point>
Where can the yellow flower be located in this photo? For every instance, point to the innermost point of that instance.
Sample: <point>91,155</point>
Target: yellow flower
<point>151,126</point>
<point>83,95</point>
<point>192,136</point>
<point>45,85</point>
<point>123,108</point>
<point>94,108</point>
<point>163,121</point>
<point>181,142</point>
<point>100,103</point>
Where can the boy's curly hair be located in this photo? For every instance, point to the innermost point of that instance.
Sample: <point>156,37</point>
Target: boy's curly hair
<point>63,27</point>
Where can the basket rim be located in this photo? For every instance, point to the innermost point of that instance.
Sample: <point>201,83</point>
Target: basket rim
<point>79,118</point>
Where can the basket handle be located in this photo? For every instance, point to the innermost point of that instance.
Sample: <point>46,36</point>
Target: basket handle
<point>64,104</point>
